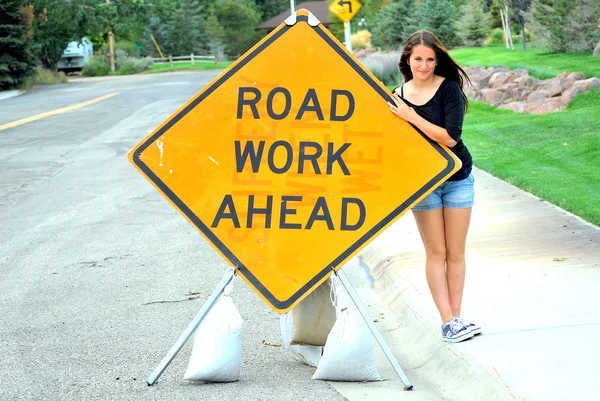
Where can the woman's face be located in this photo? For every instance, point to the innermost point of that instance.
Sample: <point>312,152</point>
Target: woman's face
<point>422,62</point>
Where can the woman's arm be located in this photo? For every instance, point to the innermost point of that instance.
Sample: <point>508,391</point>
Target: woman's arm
<point>435,132</point>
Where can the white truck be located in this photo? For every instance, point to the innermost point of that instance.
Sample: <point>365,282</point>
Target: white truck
<point>76,55</point>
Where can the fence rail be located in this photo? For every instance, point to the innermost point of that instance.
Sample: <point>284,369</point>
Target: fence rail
<point>181,59</point>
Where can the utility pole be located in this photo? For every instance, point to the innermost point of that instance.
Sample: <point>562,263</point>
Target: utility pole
<point>111,46</point>
<point>111,50</point>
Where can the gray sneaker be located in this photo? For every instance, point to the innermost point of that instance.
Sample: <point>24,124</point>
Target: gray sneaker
<point>474,328</point>
<point>454,332</point>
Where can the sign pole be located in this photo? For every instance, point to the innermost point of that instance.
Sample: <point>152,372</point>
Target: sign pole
<point>348,36</point>
<point>369,321</point>
<point>166,361</point>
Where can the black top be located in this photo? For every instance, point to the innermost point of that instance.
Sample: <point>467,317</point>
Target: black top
<point>446,109</point>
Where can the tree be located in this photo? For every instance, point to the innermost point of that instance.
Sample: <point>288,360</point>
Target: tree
<point>155,29</point>
<point>186,31</point>
<point>388,27</point>
<point>16,56</point>
<point>520,9</point>
<point>216,33</point>
<point>238,21</point>
<point>474,23</point>
<point>437,16</point>
<point>270,8</point>
<point>566,25</point>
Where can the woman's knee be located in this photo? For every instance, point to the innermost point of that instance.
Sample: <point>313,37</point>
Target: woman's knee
<point>437,254</point>
<point>455,256</point>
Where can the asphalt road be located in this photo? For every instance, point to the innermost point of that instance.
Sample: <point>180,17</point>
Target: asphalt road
<point>89,251</point>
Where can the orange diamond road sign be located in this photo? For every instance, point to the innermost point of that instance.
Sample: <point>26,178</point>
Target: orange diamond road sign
<point>345,9</point>
<point>290,161</point>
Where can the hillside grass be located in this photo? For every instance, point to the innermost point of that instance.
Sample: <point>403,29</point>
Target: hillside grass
<point>541,63</point>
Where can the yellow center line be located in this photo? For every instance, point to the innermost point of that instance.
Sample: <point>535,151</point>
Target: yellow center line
<point>57,111</point>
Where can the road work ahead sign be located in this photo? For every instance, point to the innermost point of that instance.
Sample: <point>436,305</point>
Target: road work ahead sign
<point>290,161</point>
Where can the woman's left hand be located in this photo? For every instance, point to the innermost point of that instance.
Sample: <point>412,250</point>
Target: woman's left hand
<point>400,108</point>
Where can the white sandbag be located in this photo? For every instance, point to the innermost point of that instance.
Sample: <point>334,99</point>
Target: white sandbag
<point>313,317</point>
<point>217,350</point>
<point>348,354</point>
<point>308,354</point>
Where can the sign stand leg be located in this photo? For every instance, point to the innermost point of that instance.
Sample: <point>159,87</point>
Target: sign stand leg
<point>382,343</point>
<point>166,361</point>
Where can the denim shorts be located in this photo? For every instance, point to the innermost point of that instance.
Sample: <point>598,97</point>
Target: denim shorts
<point>452,194</point>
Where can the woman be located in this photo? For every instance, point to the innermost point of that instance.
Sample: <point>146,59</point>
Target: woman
<point>432,99</point>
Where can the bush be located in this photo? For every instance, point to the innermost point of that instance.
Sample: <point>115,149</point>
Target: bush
<point>97,66</point>
<point>143,64</point>
<point>361,40</point>
<point>384,66</point>
<point>126,66</point>
<point>43,76</point>
<point>496,37</point>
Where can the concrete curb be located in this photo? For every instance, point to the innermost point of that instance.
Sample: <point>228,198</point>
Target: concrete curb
<point>11,93</point>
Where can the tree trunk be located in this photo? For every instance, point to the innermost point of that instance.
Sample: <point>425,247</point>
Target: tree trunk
<point>523,36</point>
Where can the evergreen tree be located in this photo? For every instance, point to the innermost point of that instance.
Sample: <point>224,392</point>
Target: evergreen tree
<point>270,8</point>
<point>216,34</point>
<point>474,24</point>
<point>388,31</point>
<point>186,30</point>
<point>16,59</point>
<point>567,25</point>
<point>437,16</point>
<point>154,29</point>
<point>238,21</point>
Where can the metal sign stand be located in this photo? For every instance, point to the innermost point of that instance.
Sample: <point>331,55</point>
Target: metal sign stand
<point>166,361</point>
<point>227,277</point>
<point>369,321</point>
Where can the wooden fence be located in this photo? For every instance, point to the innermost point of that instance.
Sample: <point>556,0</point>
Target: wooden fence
<point>181,59</point>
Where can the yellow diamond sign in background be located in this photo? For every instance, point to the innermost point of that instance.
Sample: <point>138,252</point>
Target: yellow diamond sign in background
<point>345,9</point>
<point>290,161</point>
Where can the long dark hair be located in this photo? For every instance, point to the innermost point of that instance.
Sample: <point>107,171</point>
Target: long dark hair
<point>446,67</point>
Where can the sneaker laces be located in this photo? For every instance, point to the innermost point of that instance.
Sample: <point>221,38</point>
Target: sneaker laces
<point>456,325</point>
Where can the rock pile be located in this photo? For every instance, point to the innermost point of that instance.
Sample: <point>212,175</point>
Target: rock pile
<point>518,91</point>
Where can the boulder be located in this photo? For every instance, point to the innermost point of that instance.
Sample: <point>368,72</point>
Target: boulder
<point>537,97</point>
<point>491,96</point>
<point>587,84</point>
<point>549,106</point>
<point>570,93</point>
<point>518,107</point>
<point>497,79</point>
<point>597,50</point>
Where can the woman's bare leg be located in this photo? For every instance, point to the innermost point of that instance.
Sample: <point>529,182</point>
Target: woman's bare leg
<point>432,230</point>
<point>456,223</point>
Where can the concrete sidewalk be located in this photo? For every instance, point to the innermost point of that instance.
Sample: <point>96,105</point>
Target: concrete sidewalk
<point>533,276</point>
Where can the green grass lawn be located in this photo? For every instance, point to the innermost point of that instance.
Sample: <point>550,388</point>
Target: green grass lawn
<point>554,156</point>
<point>198,65</point>
<point>542,64</point>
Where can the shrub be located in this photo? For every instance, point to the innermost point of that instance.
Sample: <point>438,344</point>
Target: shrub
<point>97,66</point>
<point>44,76</point>
<point>143,64</point>
<point>126,66</point>
<point>361,40</point>
<point>384,66</point>
<point>496,37</point>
